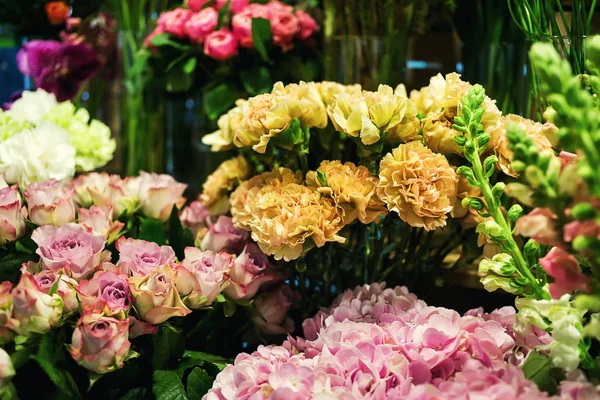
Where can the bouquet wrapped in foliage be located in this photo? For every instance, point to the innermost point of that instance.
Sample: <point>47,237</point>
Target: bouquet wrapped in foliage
<point>230,47</point>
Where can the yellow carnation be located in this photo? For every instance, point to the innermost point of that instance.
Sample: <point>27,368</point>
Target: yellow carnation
<point>369,114</point>
<point>423,100</point>
<point>539,133</point>
<point>244,197</point>
<point>269,114</point>
<point>284,217</point>
<point>222,139</point>
<point>352,188</point>
<point>221,181</point>
<point>447,95</point>
<point>418,184</point>
<point>328,90</point>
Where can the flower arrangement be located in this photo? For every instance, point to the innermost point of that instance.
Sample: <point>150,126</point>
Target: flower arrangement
<point>237,41</point>
<point>385,343</point>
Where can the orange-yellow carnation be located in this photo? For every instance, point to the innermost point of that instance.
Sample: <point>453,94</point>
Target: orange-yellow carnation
<point>539,133</point>
<point>228,175</point>
<point>285,218</point>
<point>418,184</point>
<point>222,139</point>
<point>328,90</point>
<point>352,188</point>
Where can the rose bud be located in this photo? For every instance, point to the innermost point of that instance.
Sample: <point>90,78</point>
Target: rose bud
<point>196,5</point>
<point>248,273</point>
<point>50,203</point>
<point>235,6</point>
<point>65,287</point>
<point>271,311</point>
<point>139,257</point>
<point>139,328</point>
<point>6,305</point>
<point>100,344</point>
<point>12,214</point>
<point>124,195</point>
<point>201,276</point>
<point>284,26</point>
<point>196,218</point>
<point>106,293</point>
<point>221,45</point>
<point>99,221</point>
<point>201,24</point>
<point>92,188</point>
<point>308,25</point>
<point>174,21</point>
<point>70,247</point>
<point>33,310</point>
<point>155,296</point>
<point>159,194</point>
<point>224,236</point>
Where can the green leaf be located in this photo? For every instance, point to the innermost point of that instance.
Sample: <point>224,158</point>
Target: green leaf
<point>176,235</point>
<point>198,383</point>
<point>50,356</point>
<point>256,80</point>
<point>219,361</point>
<point>223,12</point>
<point>164,39</point>
<point>262,36</point>
<point>168,347</point>
<point>322,177</point>
<point>538,368</point>
<point>190,65</point>
<point>166,385</point>
<point>178,80</point>
<point>10,265</point>
<point>219,99</point>
<point>229,308</point>
<point>152,230</point>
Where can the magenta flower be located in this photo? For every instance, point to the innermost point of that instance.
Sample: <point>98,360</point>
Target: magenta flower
<point>56,67</point>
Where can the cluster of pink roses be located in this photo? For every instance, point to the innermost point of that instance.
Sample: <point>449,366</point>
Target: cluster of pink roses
<point>145,287</point>
<point>198,25</point>
<point>385,343</point>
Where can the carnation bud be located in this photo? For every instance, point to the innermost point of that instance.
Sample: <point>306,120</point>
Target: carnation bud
<point>498,189</point>
<point>587,302</point>
<point>531,249</point>
<point>550,114</point>
<point>492,283</point>
<point>534,175</point>
<point>492,230</point>
<point>473,202</point>
<point>518,166</point>
<point>459,139</point>
<point>483,140</point>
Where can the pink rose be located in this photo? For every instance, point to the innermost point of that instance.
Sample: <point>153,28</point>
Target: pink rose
<point>139,328</point>
<point>284,26</point>
<point>272,308</point>
<point>148,41</point>
<point>248,273</point>
<point>70,247</point>
<point>242,29</point>
<point>155,296</point>
<point>173,22</point>
<point>224,236</point>
<point>46,279</point>
<point>139,257</point>
<point>201,276</point>
<point>50,203</point>
<point>107,293</point>
<point>92,188</point>
<point>221,45</point>
<point>159,194</point>
<point>12,214</point>
<point>564,268</point>
<point>196,218</point>
<point>567,158</point>
<point>276,6</point>
<point>308,25</point>
<point>540,225</point>
<point>235,6</point>
<point>201,24</point>
<point>100,343</point>
<point>33,310</point>
<point>124,195</point>
<point>99,221</point>
<point>7,371</point>
<point>6,305</point>
<point>196,5</point>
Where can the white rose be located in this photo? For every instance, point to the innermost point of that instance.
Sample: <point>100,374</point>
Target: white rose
<point>37,155</point>
<point>32,106</point>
